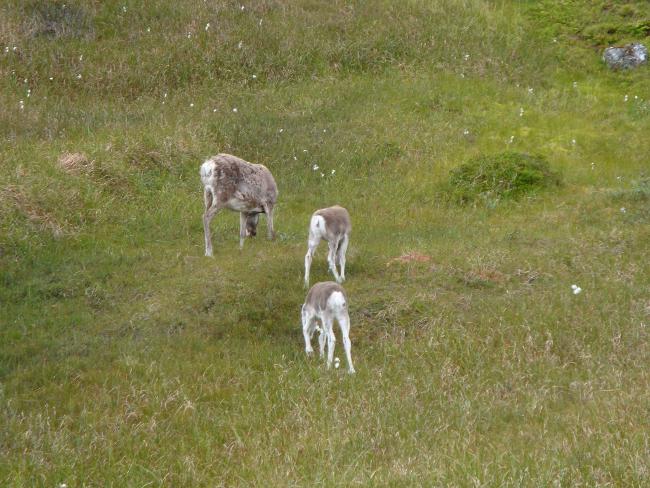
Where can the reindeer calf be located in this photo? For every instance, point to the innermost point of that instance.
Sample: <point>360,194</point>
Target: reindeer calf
<point>332,224</point>
<point>326,301</point>
<point>232,183</point>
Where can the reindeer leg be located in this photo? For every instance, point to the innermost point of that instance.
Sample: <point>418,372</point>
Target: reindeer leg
<point>268,210</point>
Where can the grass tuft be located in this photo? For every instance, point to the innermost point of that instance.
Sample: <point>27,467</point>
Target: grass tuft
<point>496,177</point>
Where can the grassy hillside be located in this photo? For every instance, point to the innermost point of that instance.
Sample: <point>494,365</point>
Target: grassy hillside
<point>127,358</point>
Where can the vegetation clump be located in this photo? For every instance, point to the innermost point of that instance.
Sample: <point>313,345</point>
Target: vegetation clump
<point>496,177</point>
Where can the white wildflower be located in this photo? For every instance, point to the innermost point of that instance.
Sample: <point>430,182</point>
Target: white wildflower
<point>462,75</point>
<point>315,167</point>
<point>123,8</point>
<point>214,109</point>
<point>81,57</point>
<point>625,98</point>
<point>241,43</point>
<point>51,78</point>
<point>254,77</point>
<point>575,84</point>
<point>593,165</point>
<point>322,175</point>
<point>636,97</point>
<point>207,26</point>
<point>530,90</point>
<point>512,139</point>
<point>79,76</point>
<point>466,132</point>
<point>148,29</point>
<point>234,109</point>
<point>333,171</point>
<point>295,158</point>
<point>573,141</point>
<point>14,48</point>
<point>466,57</point>
<point>281,131</point>
<point>189,35</point>
<point>337,362</point>
<point>554,39</point>
<point>521,112</point>
<point>623,210</point>
<point>165,95</point>
<point>304,150</point>
<point>242,7</point>
<point>191,104</point>
<point>260,21</point>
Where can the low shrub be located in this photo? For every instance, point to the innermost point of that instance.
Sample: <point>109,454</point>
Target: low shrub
<point>495,177</point>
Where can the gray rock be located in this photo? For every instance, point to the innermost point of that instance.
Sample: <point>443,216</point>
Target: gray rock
<point>626,57</point>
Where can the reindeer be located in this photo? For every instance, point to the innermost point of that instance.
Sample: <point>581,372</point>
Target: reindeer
<point>327,301</point>
<point>232,183</point>
<point>332,224</point>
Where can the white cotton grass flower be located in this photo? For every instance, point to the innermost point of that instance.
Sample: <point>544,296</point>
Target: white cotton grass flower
<point>63,485</point>
<point>333,172</point>
<point>576,289</point>
<point>281,131</point>
<point>242,7</point>
<point>575,84</point>
<point>466,57</point>
<point>315,167</point>
<point>254,77</point>
<point>531,90</point>
<point>573,141</point>
<point>295,158</point>
<point>51,78</point>
<point>466,132</point>
<point>124,8</point>
<point>337,362</point>
<point>235,110</point>
<point>189,35</point>
<point>625,98</point>
<point>322,175</point>
<point>623,210</point>
<point>241,43</point>
<point>207,26</point>
<point>521,111</point>
<point>148,29</point>
<point>191,104</point>
<point>21,104</point>
<point>511,140</point>
<point>214,110</point>
<point>79,76</point>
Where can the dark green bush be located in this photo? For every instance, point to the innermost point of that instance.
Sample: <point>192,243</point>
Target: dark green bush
<point>495,177</point>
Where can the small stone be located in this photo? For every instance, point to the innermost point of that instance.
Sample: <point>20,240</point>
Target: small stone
<point>625,57</point>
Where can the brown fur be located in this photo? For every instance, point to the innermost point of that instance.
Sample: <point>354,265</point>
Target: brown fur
<point>337,220</point>
<point>319,294</point>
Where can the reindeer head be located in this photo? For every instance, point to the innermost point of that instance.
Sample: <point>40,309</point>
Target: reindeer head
<point>251,224</point>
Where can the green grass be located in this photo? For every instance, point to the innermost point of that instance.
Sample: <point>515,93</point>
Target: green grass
<point>129,359</point>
